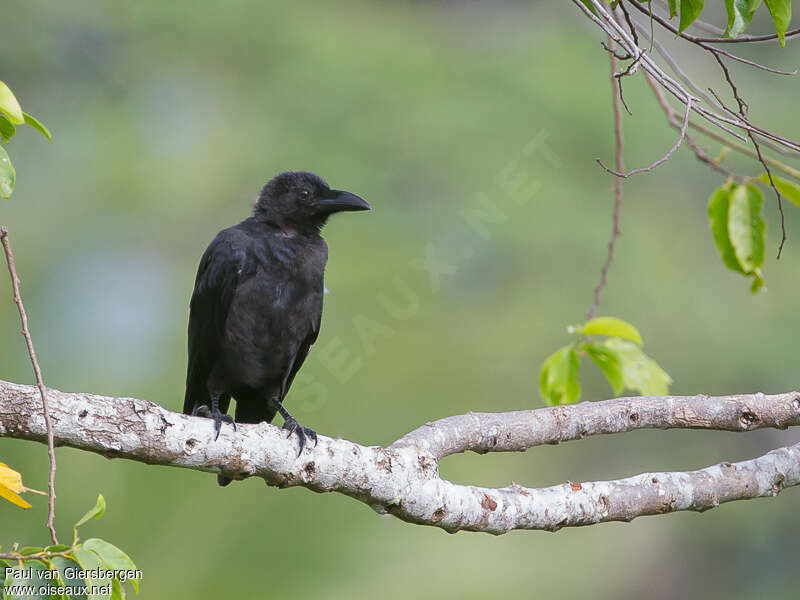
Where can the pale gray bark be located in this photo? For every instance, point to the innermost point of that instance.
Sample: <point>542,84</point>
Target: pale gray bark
<point>403,478</point>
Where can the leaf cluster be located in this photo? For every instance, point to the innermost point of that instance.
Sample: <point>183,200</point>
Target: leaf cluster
<point>619,356</point>
<point>11,115</point>
<point>40,570</point>
<point>735,216</point>
<point>740,14</point>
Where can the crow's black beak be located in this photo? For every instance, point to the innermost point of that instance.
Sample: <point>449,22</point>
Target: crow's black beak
<point>339,200</point>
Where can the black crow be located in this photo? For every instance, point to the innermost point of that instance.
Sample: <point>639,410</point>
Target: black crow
<point>257,304</point>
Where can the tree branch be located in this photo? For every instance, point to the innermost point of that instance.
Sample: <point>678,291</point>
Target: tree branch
<point>403,478</point>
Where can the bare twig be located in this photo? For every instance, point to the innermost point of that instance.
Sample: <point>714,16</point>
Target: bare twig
<point>630,70</point>
<point>610,26</point>
<point>664,158</point>
<point>673,64</point>
<point>617,54</point>
<point>621,37</point>
<point>719,34</point>
<point>403,479</point>
<point>616,99</point>
<point>629,22</point>
<point>700,42</point>
<point>743,39</point>
<point>37,371</point>
<point>673,120</point>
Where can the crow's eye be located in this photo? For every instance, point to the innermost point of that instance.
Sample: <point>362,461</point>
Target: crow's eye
<point>304,193</point>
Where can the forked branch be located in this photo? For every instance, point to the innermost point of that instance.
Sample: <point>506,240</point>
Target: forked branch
<point>403,478</point>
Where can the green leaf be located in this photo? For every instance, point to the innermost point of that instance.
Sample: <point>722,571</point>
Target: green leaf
<point>612,326</point>
<point>7,129</point>
<point>558,379</point>
<point>588,4</point>
<point>117,590</point>
<point>787,189</point>
<point>573,378</point>
<point>746,226</point>
<point>673,8</point>
<point>26,550</point>
<point>690,10</point>
<point>640,372</point>
<point>35,569</point>
<point>89,561</point>
<point>740,13</point>
<point>781,11</point>
<point>734,214</point>
<point>609,362</point>
<point>9,105</point>
<point>37,125</point>
<point>94,513</point>
<point>61,564</point>
<point>718,206</point>
<point>112,557</point>
<point>7,174</point>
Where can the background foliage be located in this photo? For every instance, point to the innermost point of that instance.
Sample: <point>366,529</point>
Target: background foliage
<point>170,116</point>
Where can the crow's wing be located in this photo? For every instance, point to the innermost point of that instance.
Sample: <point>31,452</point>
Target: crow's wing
<point>224,266</point>
<point>302,352</point>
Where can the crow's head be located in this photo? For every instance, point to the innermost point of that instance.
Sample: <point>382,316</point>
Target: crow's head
<point>300,199</point>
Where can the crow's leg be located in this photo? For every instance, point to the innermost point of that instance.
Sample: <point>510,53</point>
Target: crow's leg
<point>214,413</point>
<point>291,425</point>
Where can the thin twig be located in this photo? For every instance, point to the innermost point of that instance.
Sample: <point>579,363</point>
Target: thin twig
<point>618,141</point>
<point>746,38</point>
<point>607,23</point>
<point>631,70</point>
<point>719,33</point>
<point>664,158</point>
<point>618,34</point>
<point>37,371</point>
<point>673,120</point>
<point>617,54</point>
<point>622,98</point>
<point>673,64</point>
<point>629,22</point>
<point>700,42</point>
<point>787,169</point>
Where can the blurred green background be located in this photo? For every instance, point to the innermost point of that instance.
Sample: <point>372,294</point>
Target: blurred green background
<point>169,116</point>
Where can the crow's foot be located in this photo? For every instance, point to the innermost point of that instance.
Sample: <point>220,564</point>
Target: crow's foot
<point>292,426</point>
<point>214,413</point>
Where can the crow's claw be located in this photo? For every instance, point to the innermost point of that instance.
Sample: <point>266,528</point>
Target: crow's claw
<point>214,413</point>
<point>292,426</point>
